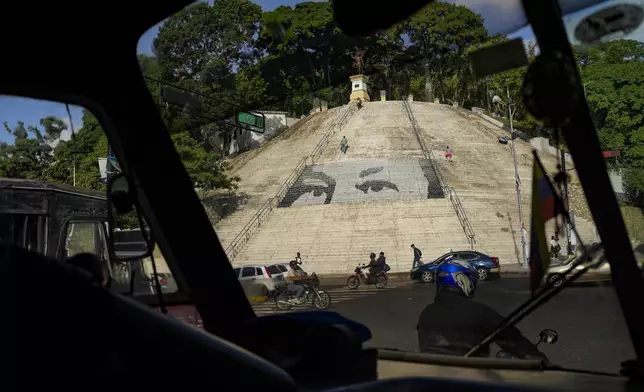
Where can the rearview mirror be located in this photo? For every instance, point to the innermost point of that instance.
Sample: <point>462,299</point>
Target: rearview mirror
<point>548,336</point>
<point>129,237</point>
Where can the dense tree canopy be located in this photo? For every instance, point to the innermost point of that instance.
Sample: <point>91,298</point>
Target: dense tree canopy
<point>239,56</point>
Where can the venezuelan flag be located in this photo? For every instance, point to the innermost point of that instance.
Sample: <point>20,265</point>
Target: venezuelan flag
<point>545,206</point>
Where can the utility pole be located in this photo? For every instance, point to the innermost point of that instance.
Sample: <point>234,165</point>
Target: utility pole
<point>74,152</point>
<point>517,179</point>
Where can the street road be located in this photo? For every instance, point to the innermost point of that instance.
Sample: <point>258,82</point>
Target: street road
<point>592,331</point>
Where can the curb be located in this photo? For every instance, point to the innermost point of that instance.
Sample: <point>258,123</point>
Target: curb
<point>397,276</point>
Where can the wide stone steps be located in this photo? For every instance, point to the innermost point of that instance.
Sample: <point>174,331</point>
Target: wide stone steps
<point>378,130</point>
<point>334,238</point>
<point>263,175</point>
<point>482,173</point>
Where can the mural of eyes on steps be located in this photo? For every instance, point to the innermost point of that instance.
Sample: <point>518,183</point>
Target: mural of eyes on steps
<point>362,181</point>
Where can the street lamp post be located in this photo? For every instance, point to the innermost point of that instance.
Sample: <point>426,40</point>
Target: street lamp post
<point>517,178</point>
<point>75,152</point>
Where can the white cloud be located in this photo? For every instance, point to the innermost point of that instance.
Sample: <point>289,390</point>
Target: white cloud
<point>66,135</point>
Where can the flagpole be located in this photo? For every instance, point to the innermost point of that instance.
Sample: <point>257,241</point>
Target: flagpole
<point>549,290</point>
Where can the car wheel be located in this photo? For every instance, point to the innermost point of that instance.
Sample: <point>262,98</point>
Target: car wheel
<point>482,273</point>
<point>427,276</point>
<point>555,279</point>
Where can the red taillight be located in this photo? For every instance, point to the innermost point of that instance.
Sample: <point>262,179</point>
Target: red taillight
<point>495,260</point>
<point>267,273</point>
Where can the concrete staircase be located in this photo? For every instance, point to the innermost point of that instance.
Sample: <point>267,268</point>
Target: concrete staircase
<point>263,175</point>
<point>336,227</point>
<point>482,173</point>
<point>344,206</point>
<point>334,238</point>
<point>378,130</point>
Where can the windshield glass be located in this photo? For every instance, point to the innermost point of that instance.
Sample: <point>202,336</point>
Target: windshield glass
<point>54,165</point>
<point>308,145</point>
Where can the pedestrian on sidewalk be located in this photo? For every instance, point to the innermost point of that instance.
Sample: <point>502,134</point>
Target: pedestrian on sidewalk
<point>298,259</point>
<point>573,242</point>
<point>448,153</point>
<point>344,144</point>
<point>417,255</point>
<point>554,247</point>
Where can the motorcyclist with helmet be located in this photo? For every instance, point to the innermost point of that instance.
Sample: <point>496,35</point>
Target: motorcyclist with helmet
<point>454,323</point>
<point>296,278</point>
<point>374,265</point>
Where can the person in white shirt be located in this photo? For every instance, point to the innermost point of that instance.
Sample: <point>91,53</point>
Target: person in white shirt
<point>298,258</point>
<point>573,242</point>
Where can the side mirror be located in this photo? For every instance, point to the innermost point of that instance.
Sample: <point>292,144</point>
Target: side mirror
<point>129,237</point>
<point>548,336</point>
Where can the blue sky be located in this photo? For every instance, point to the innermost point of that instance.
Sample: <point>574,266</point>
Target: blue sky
<point>504,15</point>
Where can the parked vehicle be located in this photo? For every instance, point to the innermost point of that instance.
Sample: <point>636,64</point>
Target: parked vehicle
<point>486,266</point>
<point>380,280</point>
<point>267,275</point>
<point>285,298</point>
<point>558,270</point>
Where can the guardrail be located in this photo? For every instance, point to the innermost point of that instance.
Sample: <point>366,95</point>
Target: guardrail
<point>448,191</point>
<point>423,146</point>
<point>254,224</point>
<point>321,145</point>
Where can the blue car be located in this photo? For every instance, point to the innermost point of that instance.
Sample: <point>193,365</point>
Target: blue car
<point>484,265</point>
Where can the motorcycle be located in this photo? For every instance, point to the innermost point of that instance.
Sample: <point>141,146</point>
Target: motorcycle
<point>548,336</point>
<point>380,280</point>
<point>285,298</point>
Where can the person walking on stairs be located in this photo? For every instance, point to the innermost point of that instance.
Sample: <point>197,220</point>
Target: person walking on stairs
<point>344,145</point>
<point>448,153</point>
<point>417,255</point>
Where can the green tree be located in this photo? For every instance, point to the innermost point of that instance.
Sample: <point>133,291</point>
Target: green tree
<point>442,32</point>
<point>28,157</point>
<point>206,169</point>
<point>613,75</point>
<point>79,155</point>
<point>193,43</point>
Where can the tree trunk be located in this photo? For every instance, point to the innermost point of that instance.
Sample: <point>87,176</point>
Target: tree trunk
<point>429,91</point>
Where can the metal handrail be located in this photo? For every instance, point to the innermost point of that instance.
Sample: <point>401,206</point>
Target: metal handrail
<point>241,239</point>
<point>249,229</point>
<point>290,180</point>
<point>423,146</point>
<point>447,190</point>
<point>333,129</point>
<point>462,217</point>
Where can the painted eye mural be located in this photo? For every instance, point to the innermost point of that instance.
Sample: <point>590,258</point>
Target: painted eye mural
<point>363,181</point>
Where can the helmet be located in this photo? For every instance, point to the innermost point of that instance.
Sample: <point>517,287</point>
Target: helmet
<point>372,255</point>
<point>458,276</point>
<point>292,264</point>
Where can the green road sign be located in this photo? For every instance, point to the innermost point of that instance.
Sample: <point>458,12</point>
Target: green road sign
<point>250,119</point>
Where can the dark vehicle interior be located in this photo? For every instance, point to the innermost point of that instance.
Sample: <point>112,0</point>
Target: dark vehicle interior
<point>64,329</point>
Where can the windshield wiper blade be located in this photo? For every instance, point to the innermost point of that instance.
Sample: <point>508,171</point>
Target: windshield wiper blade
<point>543,296</point>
